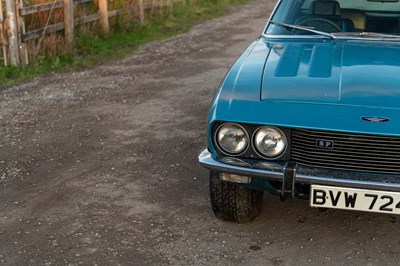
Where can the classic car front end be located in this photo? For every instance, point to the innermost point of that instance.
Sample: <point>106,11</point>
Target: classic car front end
<point>311,109</point>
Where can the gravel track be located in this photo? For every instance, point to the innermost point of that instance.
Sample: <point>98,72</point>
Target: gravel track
<point>99,167</point>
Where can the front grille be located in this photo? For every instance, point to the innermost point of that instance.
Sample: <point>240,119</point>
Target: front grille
<point>355,152</point>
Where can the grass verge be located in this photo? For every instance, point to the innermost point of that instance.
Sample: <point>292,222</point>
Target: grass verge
<point>91,48</point>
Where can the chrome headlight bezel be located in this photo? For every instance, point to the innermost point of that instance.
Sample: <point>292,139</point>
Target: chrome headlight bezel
<point>278,155</point>
<point>224,150</point>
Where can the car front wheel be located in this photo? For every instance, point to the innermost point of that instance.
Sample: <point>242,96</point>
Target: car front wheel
<point>233,202</point>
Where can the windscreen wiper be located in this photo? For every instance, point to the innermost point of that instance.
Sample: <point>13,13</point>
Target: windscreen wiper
<point>304,28</point>
<point>367,35</point>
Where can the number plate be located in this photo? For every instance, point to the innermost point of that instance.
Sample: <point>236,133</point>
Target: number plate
<point>355,199</point>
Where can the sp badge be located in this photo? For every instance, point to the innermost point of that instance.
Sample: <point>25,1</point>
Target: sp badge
<point>324,144</point>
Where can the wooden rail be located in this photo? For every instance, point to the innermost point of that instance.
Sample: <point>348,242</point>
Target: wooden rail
<point>12,28</point>
<point>47,6</point>
<point>77,21</point>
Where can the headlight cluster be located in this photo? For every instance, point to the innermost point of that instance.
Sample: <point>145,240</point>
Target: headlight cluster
<point>268,142</point>
<point>232,138</point>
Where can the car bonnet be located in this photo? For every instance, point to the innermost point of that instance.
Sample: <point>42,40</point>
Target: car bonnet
<point>320,85</point>
<point>352,73</point>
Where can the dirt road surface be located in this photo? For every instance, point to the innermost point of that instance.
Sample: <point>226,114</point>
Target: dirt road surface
<point>99,167</point>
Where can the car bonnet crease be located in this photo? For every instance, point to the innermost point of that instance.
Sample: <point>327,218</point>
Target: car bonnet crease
<point>333,72</point>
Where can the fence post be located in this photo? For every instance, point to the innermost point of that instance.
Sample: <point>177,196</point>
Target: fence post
<point>69,22</point>
<point>170,5</point>
<point>12,33</point>
<point>2,36</point>
<point>23,51</point>
<point>141,10</point>
<point>103,10</point>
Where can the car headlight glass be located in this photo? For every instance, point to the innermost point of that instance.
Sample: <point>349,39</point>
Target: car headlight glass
<point>270,141</point>
<point>232,138</point>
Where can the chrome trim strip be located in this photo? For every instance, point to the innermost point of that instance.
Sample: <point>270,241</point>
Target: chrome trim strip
<point>271,15</point>
<point>208,162</point>
<point>269,36</point>
<point>346,38</point>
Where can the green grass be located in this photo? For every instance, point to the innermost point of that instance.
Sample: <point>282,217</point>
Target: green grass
<point>94,48</point>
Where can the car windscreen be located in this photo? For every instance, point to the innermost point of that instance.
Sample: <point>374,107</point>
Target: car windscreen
<point>342,16</point>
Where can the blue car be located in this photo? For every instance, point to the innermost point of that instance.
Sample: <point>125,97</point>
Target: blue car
<point>311,110</point>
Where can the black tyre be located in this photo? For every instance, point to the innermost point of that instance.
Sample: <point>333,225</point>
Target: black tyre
<point>233,202</point>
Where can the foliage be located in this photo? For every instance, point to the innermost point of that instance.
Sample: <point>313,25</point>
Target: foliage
<point>92,47</point>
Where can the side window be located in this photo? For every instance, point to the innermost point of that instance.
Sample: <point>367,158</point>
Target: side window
<point>306,6</point>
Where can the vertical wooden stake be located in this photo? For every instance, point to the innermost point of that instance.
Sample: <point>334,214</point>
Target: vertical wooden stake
<point>23,51</point>
<point>2,36</point>
<point>12,33</point>
<point>170,5</point>
<point>141,10</point>
<point>103,10</point>
<point>69,22</point>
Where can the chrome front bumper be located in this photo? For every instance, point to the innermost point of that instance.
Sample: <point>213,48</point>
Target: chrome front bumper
<point>292,173</point>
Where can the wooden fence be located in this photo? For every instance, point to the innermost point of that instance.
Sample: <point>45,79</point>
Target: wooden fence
<point>13,36</point>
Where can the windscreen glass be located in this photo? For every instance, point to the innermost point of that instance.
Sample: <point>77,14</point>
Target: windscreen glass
<point>342,16</point>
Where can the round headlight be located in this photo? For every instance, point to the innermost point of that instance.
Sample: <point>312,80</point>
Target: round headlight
<point>270,142</point>
<point>232,138</point>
